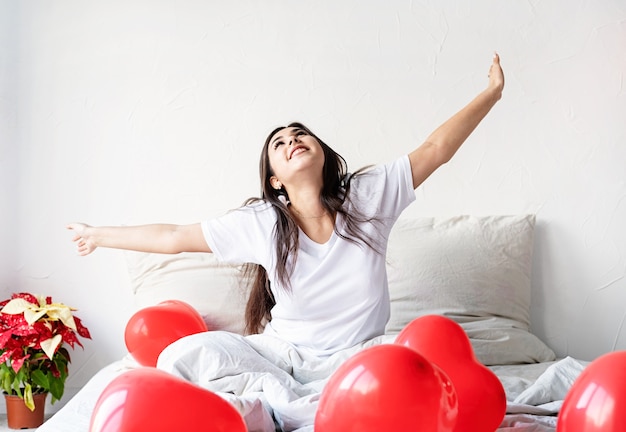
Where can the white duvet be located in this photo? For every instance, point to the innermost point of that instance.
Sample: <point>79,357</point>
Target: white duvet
<point>534,391</point>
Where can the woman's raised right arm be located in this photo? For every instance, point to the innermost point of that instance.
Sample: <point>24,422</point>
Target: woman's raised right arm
<point>158,238</point>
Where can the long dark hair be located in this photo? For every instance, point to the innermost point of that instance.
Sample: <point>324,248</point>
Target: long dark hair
<point>335,189</point>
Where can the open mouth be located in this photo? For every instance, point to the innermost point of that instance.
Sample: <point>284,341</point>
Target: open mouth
<point>297,150</point>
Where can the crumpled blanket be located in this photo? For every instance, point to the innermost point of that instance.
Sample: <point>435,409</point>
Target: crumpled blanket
<point>551,386</point>
<point>286,382</point>
<point>527,423</point>
<point>262,376</point>
<point>535,392</point>
<point>533,402</point>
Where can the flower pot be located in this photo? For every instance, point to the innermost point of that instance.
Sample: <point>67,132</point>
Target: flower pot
<point>18,414</point>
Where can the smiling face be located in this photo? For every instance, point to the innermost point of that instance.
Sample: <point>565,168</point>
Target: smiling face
<point>293,154</point>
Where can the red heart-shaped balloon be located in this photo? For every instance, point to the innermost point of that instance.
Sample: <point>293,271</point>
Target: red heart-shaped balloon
<point>597,400</point>
<point>153,328</point>
<point>482,399</point>
<point>148,399</point>
<point>387,388</point>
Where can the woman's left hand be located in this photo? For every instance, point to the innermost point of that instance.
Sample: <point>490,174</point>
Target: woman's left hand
<point>496,76</point>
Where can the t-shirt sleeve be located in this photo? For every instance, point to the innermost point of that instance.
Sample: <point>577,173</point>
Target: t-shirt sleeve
<point>242,235</point>
<point>386,190</point>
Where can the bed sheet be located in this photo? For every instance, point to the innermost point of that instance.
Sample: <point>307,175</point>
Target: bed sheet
<point>535,393</point>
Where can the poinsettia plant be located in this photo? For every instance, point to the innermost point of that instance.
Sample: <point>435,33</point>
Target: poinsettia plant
<point>34,335</point>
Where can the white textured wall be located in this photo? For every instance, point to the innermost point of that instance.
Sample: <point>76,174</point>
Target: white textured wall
<point>8,147</point>
<point>143,111</point>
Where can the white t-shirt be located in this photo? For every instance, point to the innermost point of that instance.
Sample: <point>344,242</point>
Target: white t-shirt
<point>338,295</point>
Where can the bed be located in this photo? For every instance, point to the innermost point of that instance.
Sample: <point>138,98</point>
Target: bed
<point>473,270</point>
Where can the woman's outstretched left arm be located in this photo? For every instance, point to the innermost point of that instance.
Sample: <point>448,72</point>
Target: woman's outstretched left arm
<point>443,143</point>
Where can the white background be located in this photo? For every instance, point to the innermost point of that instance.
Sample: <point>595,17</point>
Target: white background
<point>126,112</point>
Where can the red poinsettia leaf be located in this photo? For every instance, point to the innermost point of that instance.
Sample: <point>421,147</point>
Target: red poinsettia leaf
<point>10,320</point>
<point>28,297</point>
<point>6,355</point>
<point>68,336</point>
<point>4,338</point>
<point>14,344</point>
<point>42,330</point>
<point>81,329</point>
<point>17,362</point>
<point>24,329</point>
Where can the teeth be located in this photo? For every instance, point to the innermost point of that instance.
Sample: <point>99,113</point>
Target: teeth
<point>298,150</point>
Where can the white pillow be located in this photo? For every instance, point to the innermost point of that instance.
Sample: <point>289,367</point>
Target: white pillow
<point>216,290</point>
<point>474,270</point>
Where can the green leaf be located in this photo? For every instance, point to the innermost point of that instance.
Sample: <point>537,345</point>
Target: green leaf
<point>17,386</point>
<point>40,379</point>
<point>7,377</point>
<point>56,389</point>
<point>6,383</point>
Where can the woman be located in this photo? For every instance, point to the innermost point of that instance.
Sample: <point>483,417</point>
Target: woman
<point>315,242</point>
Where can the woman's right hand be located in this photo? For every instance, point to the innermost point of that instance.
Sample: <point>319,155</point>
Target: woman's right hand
<point>84,242</point>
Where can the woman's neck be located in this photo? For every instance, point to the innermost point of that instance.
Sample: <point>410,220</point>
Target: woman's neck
<point>323,212</point>
<point>311,216</point>
<point>305,202</point>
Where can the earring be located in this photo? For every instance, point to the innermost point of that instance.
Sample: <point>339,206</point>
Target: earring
<point>279,186</point>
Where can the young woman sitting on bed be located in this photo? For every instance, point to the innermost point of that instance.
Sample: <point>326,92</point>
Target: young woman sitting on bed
<point>315,242</point>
